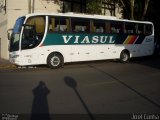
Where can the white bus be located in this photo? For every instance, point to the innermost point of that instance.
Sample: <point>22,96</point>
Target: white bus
<point>55,39</point>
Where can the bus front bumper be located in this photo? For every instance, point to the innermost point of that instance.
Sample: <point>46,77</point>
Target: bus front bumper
<point>14,59</point>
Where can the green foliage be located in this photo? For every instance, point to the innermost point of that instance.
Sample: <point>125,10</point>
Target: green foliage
<point>94,7</point>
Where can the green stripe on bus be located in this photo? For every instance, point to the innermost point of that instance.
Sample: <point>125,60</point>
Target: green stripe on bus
<point>84,38</point>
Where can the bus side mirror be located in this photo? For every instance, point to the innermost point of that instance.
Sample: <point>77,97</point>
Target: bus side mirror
<point>9,32</point>
<point>9,36</point>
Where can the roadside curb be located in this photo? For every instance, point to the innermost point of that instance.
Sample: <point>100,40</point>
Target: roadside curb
<point>4,64</point>
<point>7,66</point>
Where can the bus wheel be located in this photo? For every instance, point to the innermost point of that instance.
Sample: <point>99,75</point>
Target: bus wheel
<point>124,56</point>
<point>55,60</point>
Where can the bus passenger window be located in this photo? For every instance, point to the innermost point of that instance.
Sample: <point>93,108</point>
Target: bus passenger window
<point>113,30</point>
<point>57,24</point>
<point>99,26</point>
<point>130,28</point>
<point>80,25</point>
<point>116,27</point>
<point>140,28</point>
<point>51,24</point>
<point>62,25</point>
<point>148,29</point>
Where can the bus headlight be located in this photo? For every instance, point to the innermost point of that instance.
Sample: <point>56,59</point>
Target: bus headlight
<point>15,56</point>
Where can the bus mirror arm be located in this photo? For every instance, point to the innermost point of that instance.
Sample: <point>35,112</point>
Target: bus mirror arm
<point>9,33</point>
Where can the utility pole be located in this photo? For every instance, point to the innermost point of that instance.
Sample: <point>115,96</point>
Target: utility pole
<point>33,3</point>
<point>29,6</point>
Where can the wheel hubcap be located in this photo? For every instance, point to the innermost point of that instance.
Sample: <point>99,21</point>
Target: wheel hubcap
<point>55,61</point>
<point>125,57</point>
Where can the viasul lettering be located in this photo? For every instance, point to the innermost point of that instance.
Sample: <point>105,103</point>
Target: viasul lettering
<point>71,39</point>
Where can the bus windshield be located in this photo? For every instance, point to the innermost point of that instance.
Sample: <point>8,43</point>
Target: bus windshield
<point>33,32</point>
<point>15,37</point>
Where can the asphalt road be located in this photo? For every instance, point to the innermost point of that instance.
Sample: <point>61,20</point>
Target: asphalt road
<point>106,87</point>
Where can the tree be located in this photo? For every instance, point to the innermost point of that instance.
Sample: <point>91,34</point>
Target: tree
<point>145,9</point>
<point>94,6</point>
<point>134,9</point>
<point>153,15</point>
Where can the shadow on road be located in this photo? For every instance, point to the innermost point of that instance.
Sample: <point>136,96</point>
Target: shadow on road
<point>127,86</point>
<point>40,109</point>
<point>150,61</point>
<point>73,84</point>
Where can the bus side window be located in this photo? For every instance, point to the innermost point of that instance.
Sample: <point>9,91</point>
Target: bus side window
<point>116,27</point>
<point>113,29</point>
<point>99,26</point>
<point>53,24</point>
<point>140,29</point>
<point>80,25</point>
<point>63,25</point>
<point>58,24</point>
<point>56,27</point>
<point>130,28</point>
<point>148,29</point>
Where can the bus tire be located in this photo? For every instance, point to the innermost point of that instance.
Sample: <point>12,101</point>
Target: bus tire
<point>124,56</point>
<point>55,60</point>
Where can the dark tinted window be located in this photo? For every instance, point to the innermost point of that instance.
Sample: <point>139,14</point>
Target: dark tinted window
<point>116,27</point>
<point>148,29</point>
<point>130,28</point>
<point>80,25</point>
<point>98,26</point>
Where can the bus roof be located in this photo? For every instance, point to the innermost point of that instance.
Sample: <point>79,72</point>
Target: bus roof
<point>82,15</point>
